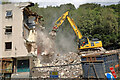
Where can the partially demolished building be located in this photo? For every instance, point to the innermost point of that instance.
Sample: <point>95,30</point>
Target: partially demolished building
<point>25,54</point>
<point>18,42</point>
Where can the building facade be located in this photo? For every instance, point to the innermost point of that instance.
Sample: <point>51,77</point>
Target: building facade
<point>18,38</point>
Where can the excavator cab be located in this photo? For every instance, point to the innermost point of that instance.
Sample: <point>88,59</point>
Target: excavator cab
<point>85,43</point>
<point>82,42</point>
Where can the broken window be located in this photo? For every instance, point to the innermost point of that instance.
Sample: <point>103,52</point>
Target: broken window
<point>8,30</point>
<point>8,45</point>
<point>9,14</point>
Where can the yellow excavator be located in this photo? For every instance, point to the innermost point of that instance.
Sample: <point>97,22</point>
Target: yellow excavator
<point>83,42</point>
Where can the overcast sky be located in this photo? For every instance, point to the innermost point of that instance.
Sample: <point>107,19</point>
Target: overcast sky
<point>44,3</point>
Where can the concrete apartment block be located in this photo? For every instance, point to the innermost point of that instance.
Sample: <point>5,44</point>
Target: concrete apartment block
<point>17,42</point>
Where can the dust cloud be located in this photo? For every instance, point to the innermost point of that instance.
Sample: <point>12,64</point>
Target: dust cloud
<point>65,42</point>
<point>45,46</point>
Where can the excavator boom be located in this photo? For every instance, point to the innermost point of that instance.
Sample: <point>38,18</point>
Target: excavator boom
<point>74,27</point>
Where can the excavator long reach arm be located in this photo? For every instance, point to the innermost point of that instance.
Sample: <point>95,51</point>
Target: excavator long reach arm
<point>74,27</point>
<point>83,42</point>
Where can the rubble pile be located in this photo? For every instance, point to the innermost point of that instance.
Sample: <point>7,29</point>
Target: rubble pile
<point>65,64</point>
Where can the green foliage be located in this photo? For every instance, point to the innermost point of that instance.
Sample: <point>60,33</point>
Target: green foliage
<point>6,2</point>
<point>92,20</point>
